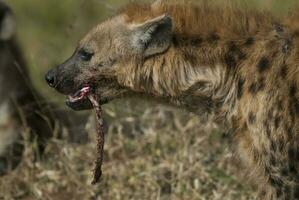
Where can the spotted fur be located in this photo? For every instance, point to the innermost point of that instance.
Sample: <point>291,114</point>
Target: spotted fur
<point>235,67</point>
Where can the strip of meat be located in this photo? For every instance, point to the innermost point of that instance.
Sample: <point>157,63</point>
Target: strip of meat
<point>100,140</point>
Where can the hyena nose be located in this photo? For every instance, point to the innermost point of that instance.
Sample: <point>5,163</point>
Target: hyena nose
<point>51,78</point>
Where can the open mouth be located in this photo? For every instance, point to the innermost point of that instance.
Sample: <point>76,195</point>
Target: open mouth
<point>80,95</point>
<point>79,100</point>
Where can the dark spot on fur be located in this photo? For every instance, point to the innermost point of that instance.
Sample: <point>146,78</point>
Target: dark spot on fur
<point>291,153</point>
<point>196,42</point>
<point>293,90</point>
<point>234,53</point>
<point>263,64</point>
<point>283,71</point>
<point>175,41</point>
<point>230,61</point>
<point>293,103</point>
<point>251,118</point>
<point>292,168</point>
<point>253,88</point>
<point>213,37</point>
<point>257,86</point>
<point>232,46</point>
<point>163,63</point>
<point>296,106</point>
<point>293,108</point>
<point>184,41</point>
<point>284,172</point>
<point>240,88</point>
<point>249,41</point>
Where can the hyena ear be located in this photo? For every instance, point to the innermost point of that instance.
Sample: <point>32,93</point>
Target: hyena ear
<point>153,36</point>
<point>7,25</point>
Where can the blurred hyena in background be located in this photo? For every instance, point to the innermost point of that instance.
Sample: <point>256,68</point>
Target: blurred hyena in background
<point>24,114</point>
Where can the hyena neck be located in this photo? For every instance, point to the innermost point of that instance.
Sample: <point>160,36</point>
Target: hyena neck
<point>195,73</point>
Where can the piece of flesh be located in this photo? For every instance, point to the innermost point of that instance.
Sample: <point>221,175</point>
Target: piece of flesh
<point>100,140</point>
<point>84,95</point>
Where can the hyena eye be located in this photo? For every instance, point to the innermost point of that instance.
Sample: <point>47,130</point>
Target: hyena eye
<point>84,55</point>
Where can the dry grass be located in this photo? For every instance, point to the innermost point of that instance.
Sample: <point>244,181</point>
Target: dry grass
<point>158,153</point>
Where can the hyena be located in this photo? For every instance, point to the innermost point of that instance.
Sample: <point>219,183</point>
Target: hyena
<point>236,67</point>
<point>19,107</point>
<point>22,109</point>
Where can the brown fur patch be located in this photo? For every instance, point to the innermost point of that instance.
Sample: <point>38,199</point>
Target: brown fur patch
<point>214,21</point>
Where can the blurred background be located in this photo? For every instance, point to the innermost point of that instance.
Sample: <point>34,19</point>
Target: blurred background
<point>151,152</point>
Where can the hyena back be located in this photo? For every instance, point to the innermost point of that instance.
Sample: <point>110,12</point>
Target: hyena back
<point>235,67</point>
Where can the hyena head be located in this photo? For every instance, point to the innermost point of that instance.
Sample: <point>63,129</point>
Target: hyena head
<point>7,23</point>
<point>104,55</point>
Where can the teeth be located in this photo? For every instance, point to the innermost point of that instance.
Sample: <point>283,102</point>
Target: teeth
<point>81,94</point>
<point>85,90</point>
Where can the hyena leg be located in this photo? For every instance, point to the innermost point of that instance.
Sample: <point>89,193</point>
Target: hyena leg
<point>273,166</point>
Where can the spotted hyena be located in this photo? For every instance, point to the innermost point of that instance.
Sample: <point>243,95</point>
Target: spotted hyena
<point>238,68</point>
<point>22,109</point>
<point>20,106</point>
